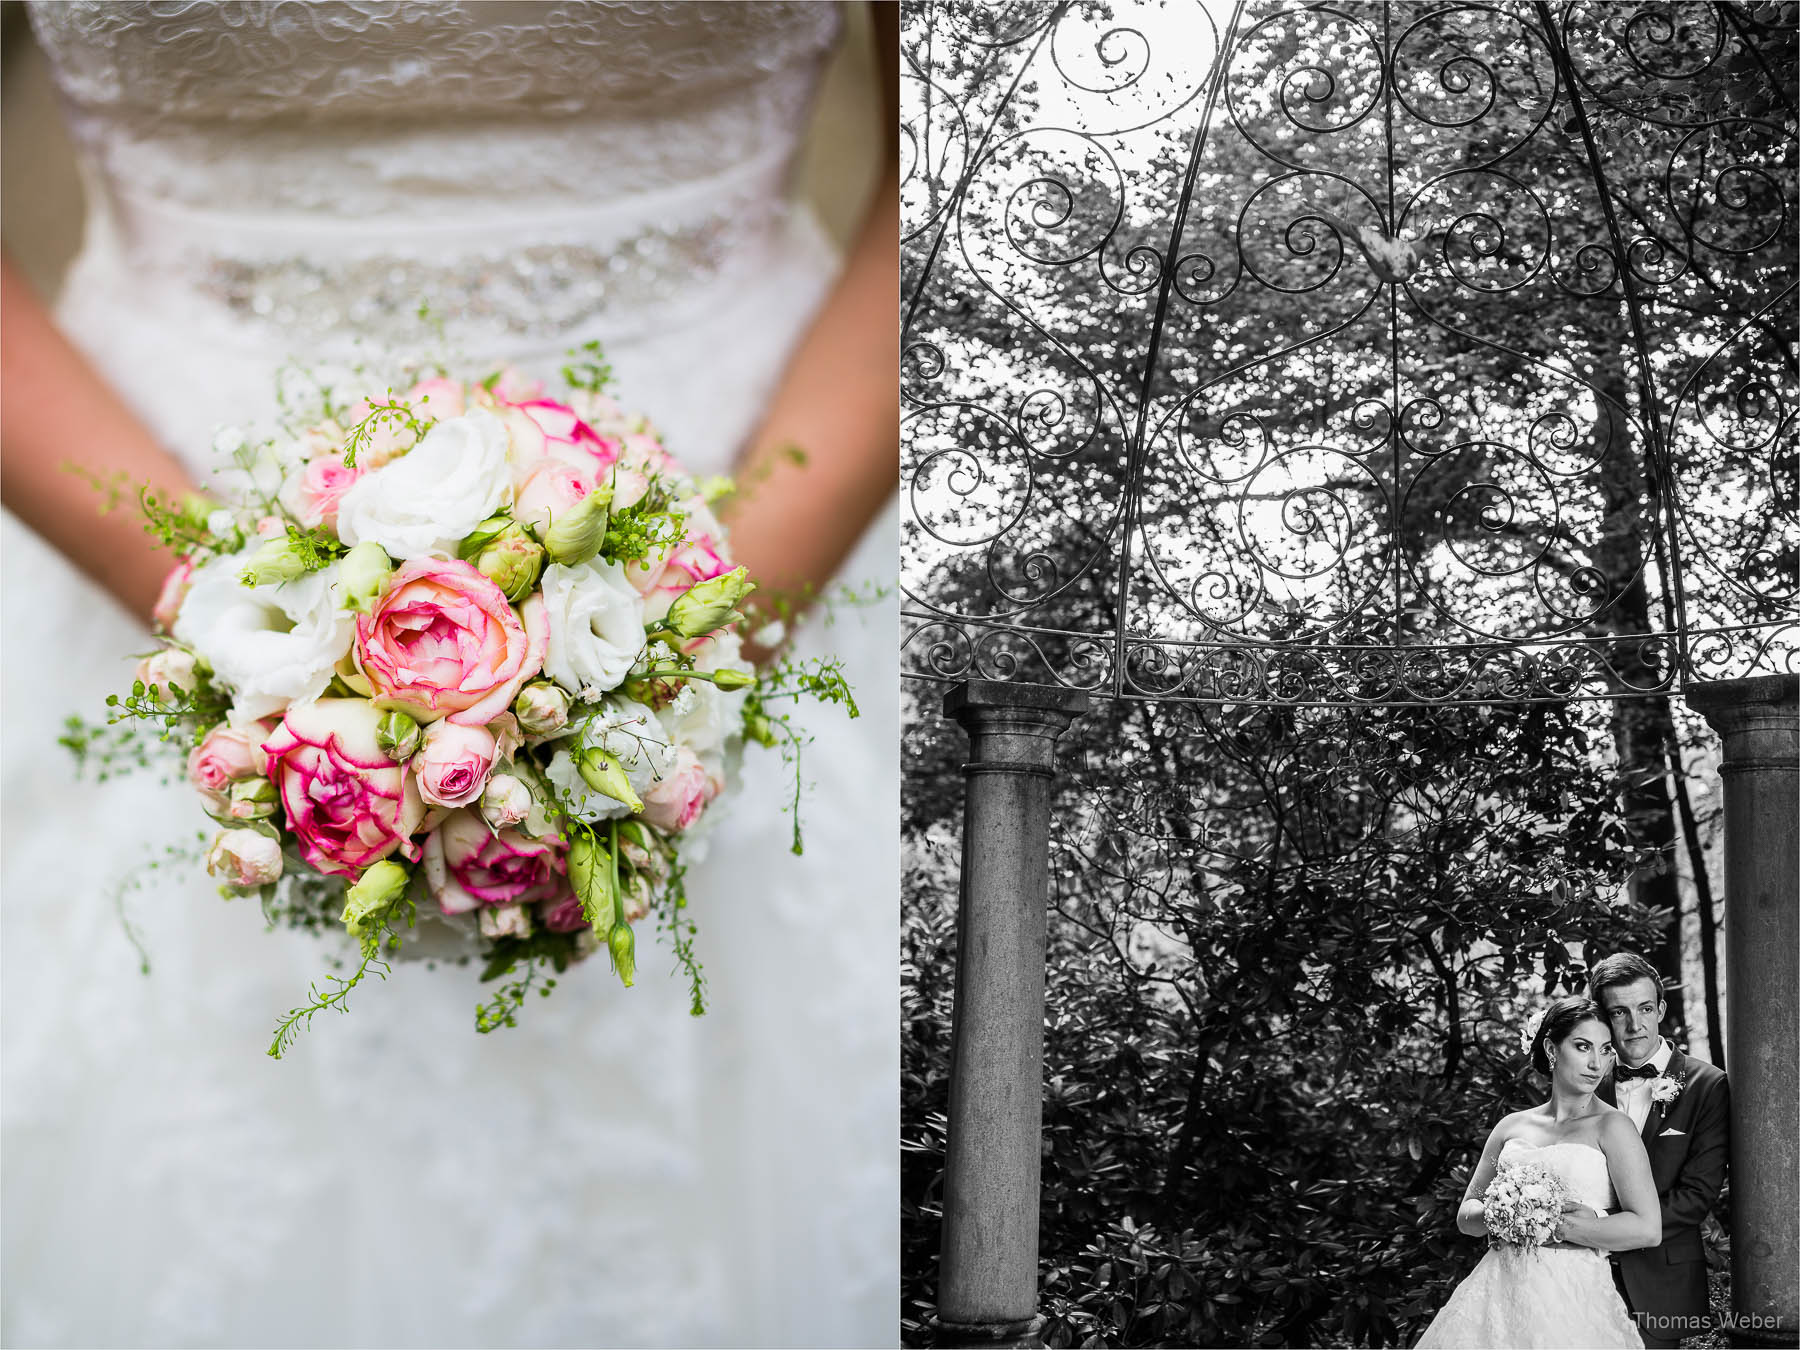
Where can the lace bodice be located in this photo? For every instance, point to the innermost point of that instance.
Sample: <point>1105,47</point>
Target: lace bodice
<point>1581,1166</point>
<point>322,169</point>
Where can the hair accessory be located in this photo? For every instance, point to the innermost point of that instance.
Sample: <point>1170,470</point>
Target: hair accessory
<point>1534,1027</point>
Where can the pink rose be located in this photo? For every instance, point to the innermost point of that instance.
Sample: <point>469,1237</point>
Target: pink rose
<point>468,865</point>
<point>646,454</point>
<point>347,802</point>
<point>675,802</point>
<point>443,640</point>
<point>227,755</point>
<point>629,487</point>
<point>174,591</point>
<point>565,432</point>
<point>562,914</point>
<point>437,399</point>
<point>550,490</point>
<point>453,763</point>
<point>244,858</point>
<point>313,493</point>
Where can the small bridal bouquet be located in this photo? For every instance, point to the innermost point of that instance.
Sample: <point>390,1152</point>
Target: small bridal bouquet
<point>464,656</point>
<point>1524,1204</point>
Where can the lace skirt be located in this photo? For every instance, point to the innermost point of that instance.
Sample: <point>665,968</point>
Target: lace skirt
<point>1553,1298</point>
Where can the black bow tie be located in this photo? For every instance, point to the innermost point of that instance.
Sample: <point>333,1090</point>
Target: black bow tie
<point>1642,1071</point>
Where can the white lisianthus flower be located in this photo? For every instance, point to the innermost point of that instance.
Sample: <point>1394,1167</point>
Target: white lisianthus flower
<point>630,733</point>
<point>425,502</point>
<point>271,645</point>
<point>596,626</point>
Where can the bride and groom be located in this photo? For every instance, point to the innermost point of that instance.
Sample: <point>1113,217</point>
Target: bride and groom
<point>1638,1133</point>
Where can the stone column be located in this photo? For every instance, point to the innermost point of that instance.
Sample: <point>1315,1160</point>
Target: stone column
<point>987,1290</point>
<point>1758,720</point>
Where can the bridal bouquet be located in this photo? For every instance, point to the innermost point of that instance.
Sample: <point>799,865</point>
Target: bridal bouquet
<point>1523,1204</point>
<point>468,654</point>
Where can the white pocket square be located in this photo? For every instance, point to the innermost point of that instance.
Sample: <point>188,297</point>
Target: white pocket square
<point>1666,1133</point>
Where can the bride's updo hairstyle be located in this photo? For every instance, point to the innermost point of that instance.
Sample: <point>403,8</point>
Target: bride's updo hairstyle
<point>1555,1024</point>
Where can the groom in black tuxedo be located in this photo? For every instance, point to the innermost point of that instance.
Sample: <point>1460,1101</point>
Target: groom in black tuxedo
<point>1682,1106</point>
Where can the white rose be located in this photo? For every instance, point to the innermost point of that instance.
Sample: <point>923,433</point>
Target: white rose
<point>630,733</point>
<point>271,645</point>
<point>426,501</point>
<point>596,626</point>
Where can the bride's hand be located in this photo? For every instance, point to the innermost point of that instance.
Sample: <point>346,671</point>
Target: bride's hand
<point>60,412</point>
<point>1573,1209</point>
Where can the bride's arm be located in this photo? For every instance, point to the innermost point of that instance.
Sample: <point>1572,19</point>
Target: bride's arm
<point>1638,1221</point>
<point>838,400</point>
<point>57,411</point>
<point>1471,1216</point>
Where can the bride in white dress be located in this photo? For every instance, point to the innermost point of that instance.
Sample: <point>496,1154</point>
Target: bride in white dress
<point>1560,1294</point>
<point>281,180</point>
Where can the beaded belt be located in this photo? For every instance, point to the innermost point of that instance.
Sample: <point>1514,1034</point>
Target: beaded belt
<point>535,279</point>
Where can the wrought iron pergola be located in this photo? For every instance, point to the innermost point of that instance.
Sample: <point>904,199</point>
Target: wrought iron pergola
<point>1349,353</point>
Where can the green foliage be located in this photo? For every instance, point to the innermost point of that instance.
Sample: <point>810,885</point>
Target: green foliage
<point>188,713</point>
<point>543,955</point>
<point>587,368</point>
<point>787,680</point>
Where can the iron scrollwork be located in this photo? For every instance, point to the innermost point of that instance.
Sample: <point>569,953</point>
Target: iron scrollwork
<point>1350,353</point>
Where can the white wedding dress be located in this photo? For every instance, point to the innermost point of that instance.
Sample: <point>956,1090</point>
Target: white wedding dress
<point>290,180</point>
<point>1552,1298</point>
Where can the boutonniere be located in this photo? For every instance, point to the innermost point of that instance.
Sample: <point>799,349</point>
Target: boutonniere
<point>1664,1091</point>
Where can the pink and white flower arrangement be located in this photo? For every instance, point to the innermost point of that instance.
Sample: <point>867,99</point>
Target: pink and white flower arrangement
<point>474,654</point>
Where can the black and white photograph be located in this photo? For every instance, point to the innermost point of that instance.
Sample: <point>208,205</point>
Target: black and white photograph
<point>1348,585</point>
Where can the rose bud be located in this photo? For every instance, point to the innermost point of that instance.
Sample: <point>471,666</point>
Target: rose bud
<point>563,915</point>
<point>227,755</point>
<point>629,487</point>
<point>362,576</point>
<point>709,604</point>
<point>542,708</point>
<point>512,562</point>
<point>674,802</point>
<point>498,921</point>
<point>166,671</point>
<point>590,873</point>
<point>252,799</point>
<point>505,801</point>
<point>551,490</point>
<point>453,763</point>
<point>728,680</point>
<point>436,399</point>
<point>601,770</point>
<point>174,591</point>
<point>635,903</point>
<point>398,735</point>
<point>624,952</point>
<point>275,562</point>
<point>244,858</point>
<point>373,897</point>
<point>575,536</point>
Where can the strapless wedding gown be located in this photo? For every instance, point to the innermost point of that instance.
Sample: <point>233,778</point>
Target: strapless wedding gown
<point>1551,1298</point>
<point>290,180</point>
